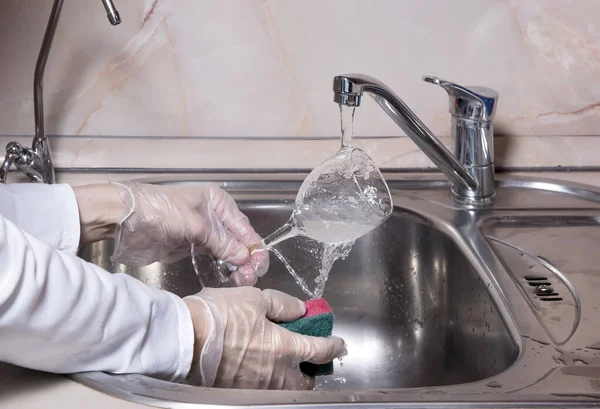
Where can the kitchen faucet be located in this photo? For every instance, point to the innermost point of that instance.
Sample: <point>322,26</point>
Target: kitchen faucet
<point>36,162</point>
<point>471,168</point>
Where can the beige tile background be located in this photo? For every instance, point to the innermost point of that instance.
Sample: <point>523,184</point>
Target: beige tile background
<point>223,73</point>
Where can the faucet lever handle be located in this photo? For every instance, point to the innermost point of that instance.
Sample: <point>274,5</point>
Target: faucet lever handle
<point>473,102</point>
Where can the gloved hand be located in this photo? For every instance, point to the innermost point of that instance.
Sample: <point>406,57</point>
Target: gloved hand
<point>239,346</point>
<point>161,223</point>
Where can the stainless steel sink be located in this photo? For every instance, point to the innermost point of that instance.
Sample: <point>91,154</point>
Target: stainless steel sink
<point>434,304</point>
<point>409,304</point>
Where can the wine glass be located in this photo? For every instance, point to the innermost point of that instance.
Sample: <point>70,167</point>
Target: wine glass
<point>341,200</point>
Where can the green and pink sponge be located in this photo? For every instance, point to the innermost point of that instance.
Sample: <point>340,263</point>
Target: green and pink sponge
<point>316,322</point>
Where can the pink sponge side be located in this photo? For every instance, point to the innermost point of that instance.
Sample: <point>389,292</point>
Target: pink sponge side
<point>316,307</point>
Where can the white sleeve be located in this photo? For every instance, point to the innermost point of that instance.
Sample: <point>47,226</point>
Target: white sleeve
<point>47,212</point>
<point>60,314</point>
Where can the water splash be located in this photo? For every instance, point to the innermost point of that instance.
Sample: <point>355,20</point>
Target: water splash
<point>291,270</point>
<point>331,253</point>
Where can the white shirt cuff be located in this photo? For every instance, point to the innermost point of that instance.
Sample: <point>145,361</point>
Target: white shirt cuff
<point>186,339</point>
<point>48,212</point>
<point>71,232</point>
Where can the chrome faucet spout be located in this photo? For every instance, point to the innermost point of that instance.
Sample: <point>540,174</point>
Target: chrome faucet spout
<point>467,186</point>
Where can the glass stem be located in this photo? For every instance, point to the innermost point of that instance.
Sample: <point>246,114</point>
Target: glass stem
<point>288,230</point>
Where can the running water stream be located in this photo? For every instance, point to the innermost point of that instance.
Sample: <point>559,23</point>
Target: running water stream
<point>337,237</point>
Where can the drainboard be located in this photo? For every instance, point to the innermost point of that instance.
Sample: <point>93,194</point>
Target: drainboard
<point>550,257</point>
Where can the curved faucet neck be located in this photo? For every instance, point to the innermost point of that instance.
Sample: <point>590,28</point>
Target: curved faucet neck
<point>348,90</point>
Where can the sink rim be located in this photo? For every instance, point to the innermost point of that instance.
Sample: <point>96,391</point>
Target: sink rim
<point>399,179</point>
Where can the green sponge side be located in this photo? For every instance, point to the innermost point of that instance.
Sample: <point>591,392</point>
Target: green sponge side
<point>316,326</point>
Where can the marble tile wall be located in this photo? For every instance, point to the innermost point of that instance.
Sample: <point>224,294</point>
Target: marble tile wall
<point>242,77</point>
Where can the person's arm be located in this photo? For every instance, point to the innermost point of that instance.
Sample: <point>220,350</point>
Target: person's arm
<point>100,210</point>
<point>62,216</point>
<point>150,222</point>
<point>61,314</point>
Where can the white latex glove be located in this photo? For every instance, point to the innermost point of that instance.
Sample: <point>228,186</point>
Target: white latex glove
<point>162,222</point>
<point>238,345</point>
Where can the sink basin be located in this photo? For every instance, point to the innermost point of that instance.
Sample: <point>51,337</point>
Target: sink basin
<point>410,306</point>
<point>440,306</point>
